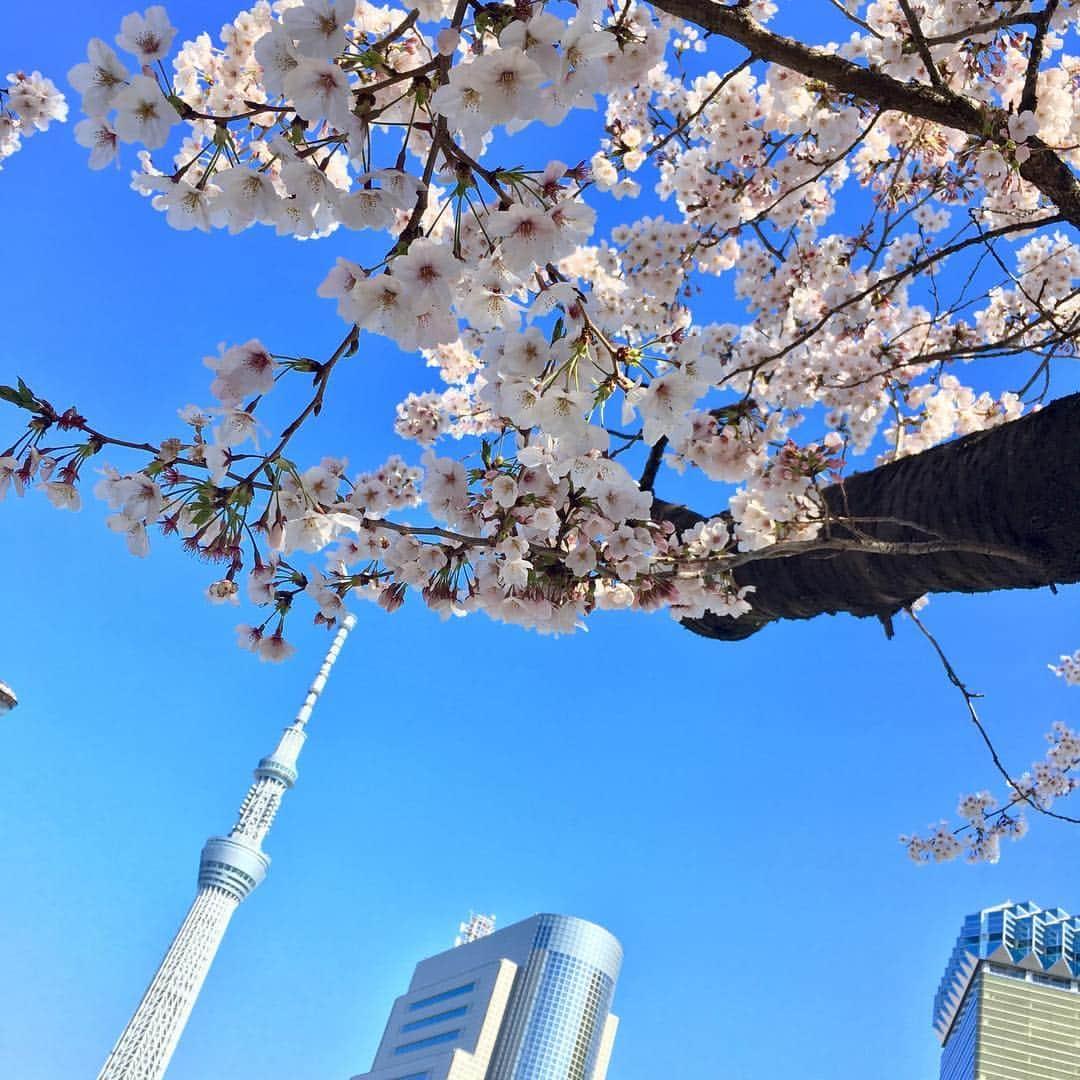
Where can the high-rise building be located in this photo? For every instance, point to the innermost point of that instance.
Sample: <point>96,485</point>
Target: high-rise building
<point>1008,1007</point>
<point>229,870</point>
<point>529,1002</point>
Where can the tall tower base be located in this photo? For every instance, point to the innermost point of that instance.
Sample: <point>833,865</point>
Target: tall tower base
<point>146,1046</point>
<point>231,867</point>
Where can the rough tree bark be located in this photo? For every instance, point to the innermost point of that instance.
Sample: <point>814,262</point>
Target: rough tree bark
<point>1016,487</point>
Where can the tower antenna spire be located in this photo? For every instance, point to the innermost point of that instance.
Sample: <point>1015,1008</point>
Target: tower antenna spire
<point>229,870</point>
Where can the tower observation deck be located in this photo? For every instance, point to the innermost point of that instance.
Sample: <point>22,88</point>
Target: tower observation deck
<point>230,869</point>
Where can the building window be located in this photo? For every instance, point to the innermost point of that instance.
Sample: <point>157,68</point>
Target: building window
<point>438,1018</point>
<point>433,1040</point>
<point>423,1003</point>
<point>415,1076</point>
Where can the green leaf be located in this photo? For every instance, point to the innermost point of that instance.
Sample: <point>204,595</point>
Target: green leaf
<point>23,397</point>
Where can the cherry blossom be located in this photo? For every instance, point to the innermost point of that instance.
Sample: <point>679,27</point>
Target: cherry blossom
<point>28,104</point>
<point>143,114</point>
<point>36,100</point>
<point>99,79</point>
<point>242,371</point>
<point>317,27</point>
<point>148,37</point>
<point>1068,669</point>
<point>800,282</point>
<point>100,139</point>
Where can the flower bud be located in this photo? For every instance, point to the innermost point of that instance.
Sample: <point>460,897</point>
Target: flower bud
<point>446,41</point>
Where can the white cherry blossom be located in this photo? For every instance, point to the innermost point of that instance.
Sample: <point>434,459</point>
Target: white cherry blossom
<point>36,100</point>
<point>99,79</point>
<point>143,114</point>
<point>319,88</point>
<point>772,306</point>
<point>318,26</point>
<point>100,139</point>
<point>148,37</point>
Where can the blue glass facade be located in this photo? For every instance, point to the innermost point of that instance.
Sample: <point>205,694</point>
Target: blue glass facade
<point>958,1054</point>
<point>528,1002</point>
<point>555,1028</point>
<point>1024,935</point>
<point>1008,1006</point>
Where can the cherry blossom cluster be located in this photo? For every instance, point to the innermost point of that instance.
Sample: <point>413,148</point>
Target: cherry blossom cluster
<point>1068,669</point>
<point>567,356</point>
<point>282,124</point>
<point>982,843</point>
<point>987,823</point>
<point>28,104</point>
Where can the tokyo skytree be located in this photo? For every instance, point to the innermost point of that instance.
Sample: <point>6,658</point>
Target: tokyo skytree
<point>230,868</point>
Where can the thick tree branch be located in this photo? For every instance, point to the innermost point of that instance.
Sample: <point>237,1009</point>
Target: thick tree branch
<point>1044,168</point>
<point>1015,487</point>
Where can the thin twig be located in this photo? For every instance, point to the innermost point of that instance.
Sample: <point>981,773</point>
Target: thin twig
<point>920,44</point>
<point>969,700</point>
<point>314,405</point>
<point>684,124</point>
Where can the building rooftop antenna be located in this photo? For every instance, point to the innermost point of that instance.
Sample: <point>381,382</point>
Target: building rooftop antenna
<point>477,926</point>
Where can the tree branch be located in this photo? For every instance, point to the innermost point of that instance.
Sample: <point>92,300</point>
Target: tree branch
<point>1029,98</point>
<point>652,465</point>
<point>969,700</point>
<point>920,44</point>
<point>1015,487</point>
<point>1044,168</point>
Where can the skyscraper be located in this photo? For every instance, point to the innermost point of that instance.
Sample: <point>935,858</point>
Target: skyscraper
<point>229,870</point>
<point>529,1002</point>
<point>1008,1007</point>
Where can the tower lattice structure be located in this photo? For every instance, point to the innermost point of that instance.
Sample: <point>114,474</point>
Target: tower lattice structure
<point>230,868</point>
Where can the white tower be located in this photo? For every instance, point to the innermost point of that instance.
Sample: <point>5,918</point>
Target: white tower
<point>230,868</point>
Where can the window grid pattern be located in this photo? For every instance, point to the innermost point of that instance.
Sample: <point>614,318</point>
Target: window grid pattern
<point>561,1036</point>
<point>958,1054</point>
<point>554,991</point>
<point>1015,932</point>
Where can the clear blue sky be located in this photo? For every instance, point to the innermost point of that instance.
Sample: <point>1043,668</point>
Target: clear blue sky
<point>730,812</point>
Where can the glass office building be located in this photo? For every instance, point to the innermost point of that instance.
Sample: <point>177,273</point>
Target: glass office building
<point>529,1002</point>
<point>1008,1007</point>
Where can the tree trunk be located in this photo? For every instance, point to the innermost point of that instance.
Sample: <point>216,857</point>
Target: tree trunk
<point>1016,486</point>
